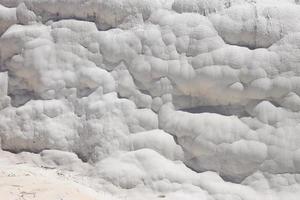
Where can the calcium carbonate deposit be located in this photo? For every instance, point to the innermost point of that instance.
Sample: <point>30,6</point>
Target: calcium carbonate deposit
<point>150,99</point>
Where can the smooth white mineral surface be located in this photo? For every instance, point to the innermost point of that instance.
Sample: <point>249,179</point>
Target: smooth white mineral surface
<point>150,99</point>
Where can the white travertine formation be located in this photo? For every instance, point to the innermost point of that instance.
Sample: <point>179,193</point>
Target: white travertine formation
<point>151,99</point>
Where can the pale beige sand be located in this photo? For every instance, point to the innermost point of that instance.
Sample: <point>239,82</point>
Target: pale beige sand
<point>21,182</point>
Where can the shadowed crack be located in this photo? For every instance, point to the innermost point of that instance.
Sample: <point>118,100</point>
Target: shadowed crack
<point>227,110</point>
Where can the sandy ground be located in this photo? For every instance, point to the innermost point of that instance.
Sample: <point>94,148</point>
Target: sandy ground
<point>20,182</point>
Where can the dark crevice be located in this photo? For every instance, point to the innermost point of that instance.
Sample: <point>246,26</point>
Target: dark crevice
<point>145,92</point>
<point>227,110</point>
<point>84,92</point>
<point>21,98</point>
<point>82,157</point>
<point>18,151</point>
<point>2,67</point>
<point>250,47</point>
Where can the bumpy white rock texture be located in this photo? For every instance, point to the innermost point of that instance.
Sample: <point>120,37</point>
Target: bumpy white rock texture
<point>152,99</point>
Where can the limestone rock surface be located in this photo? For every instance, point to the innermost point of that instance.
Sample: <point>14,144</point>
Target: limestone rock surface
<point>150,99</point>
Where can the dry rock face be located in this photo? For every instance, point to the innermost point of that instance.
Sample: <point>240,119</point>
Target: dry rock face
<point>151,99</point>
